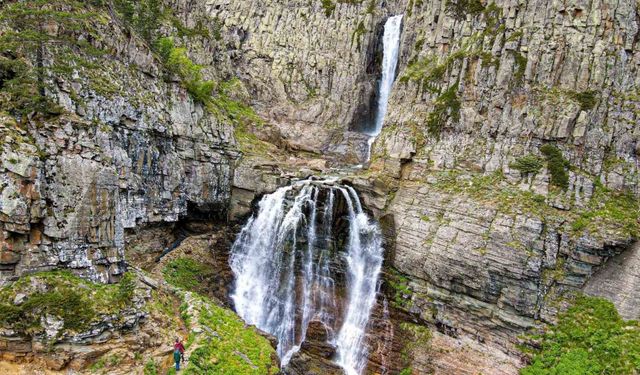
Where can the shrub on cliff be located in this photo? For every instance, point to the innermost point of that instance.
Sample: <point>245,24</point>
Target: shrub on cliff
<point>39,40</point>
<point>557,165</point>
<point>459,9</point>
<point>590,338</point>
<point>528,164</point>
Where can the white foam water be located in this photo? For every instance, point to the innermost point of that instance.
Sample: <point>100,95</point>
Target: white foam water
<point>283,270</point>
<point>391,49</point>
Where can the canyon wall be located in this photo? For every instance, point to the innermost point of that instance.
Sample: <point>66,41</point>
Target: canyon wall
<point>489,229</point>
<point>131,148</point>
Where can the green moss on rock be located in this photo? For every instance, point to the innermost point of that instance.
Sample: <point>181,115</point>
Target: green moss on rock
<point>459,9</point>
<point>229,346</point>
<point>187,273</point>
<point>77,302</point>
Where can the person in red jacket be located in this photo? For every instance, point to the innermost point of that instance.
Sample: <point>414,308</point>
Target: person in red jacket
<point>178,347</point>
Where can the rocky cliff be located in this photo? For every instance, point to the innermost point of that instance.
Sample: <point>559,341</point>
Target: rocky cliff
<point>512,147</point>
<point>127,146</point>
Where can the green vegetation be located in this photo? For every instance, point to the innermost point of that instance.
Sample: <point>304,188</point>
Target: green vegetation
<point>613,212</point>
<point>77,302</point>
<point>610,210</point>
<point>187,273</point>
<point>590,339</point>
<point>177,62</point>
<point>557,165</point>
<point>520,67</point>
<point>150,368</point>
<point>430,72</point>
<point>587,99</point>
<point>221,104</point>
<point>415,336</point>
<point>527,165</point>
<point>447,105</point>
<point>234,349</point>
<point>328,7</point>
<point>143,16</point>
<point>357,34</point>
<point>26,39</point>
<point>459,9</point>
<point>494,189</point>
<point>401,291</point>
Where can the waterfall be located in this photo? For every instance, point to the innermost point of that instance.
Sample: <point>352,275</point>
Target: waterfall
<point>284,261</point>
<point>391,48</point>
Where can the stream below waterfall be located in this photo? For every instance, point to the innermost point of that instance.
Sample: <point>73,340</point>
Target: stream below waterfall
<point>311,254</point>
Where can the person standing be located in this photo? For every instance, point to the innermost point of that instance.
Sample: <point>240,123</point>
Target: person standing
<point>178,353</point>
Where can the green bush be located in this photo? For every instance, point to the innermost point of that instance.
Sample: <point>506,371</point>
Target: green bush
<point>520,67</point>
<point>328,7</point>
<point>150,368</point>
<point>557,166</point>
<point>590,339</point>
<point>459,9</point>
<point>177,62</point>
<point>528,164</point>
<point>587,99</point>
<point>143,16</point>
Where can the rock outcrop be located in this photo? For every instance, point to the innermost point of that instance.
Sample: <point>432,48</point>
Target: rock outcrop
<point>129,150</point>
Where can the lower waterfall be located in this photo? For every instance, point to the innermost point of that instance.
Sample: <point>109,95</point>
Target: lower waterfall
<point>307,241</point>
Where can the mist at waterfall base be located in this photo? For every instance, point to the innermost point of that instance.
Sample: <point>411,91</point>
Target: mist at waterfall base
<point>286,261</point>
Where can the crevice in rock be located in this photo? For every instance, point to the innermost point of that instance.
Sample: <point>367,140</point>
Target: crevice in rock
<point>365,112</point>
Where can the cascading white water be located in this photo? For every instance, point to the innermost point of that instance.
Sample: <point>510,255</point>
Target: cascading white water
<point>364,259</point>
<point>282,261</point>
<point>391,49</point>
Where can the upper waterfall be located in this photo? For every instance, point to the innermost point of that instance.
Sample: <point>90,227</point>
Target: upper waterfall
<point>306,241</point>
<point>391,48</point>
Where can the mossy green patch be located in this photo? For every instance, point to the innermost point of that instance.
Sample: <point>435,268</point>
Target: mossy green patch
<point>459,9</point>
<point>400,290</point>
<point>328,7</point>
<point>590,338</point>
<point>608,210</point>
<point>78,302</point>
<point>187,273</point>
<point>228,346</point>
<point>587,99</point>
<point>24,75</point>
<point>520,67</point>
<point>446,105</point>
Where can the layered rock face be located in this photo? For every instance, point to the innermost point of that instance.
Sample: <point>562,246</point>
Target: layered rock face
<point>131,149</point>
<point>312,67</point>
<point>487,244</point>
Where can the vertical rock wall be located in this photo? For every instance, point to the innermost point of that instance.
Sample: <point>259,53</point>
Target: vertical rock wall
<point>132,148</point>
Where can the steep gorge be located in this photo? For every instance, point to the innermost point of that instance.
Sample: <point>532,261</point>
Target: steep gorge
<point>505,176</point>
